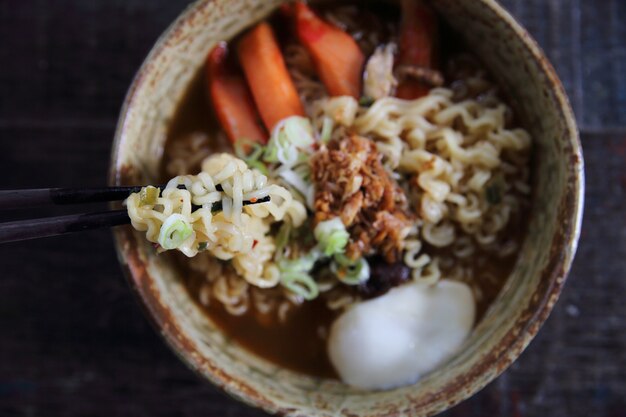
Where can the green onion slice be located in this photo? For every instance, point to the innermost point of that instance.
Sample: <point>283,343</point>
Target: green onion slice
<point>252,157</point>
<point>327,129</point>
<point>300,283</point>
<point>290,138</point>
<point>332,236</point>
<point>148,196</point>
<point>350,272</point>
<point>174,231</point>
<point>295,275</point>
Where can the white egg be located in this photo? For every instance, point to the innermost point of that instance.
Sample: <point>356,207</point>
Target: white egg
<point>396,338</point>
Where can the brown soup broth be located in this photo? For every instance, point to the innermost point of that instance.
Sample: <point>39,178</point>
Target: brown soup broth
<point>299,343</point>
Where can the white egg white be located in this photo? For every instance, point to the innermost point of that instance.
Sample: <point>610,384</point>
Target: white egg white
<point>396,338</point>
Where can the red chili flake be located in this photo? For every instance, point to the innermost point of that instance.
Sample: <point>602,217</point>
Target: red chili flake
<point>253,200</point>
<point>254,243</point>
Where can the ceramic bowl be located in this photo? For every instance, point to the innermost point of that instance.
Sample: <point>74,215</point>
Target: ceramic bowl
<point>520,66</point>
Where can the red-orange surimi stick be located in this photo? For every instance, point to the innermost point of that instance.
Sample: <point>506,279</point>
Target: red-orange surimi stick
<point>263,64</point>
<point>418,34</point>
<point>337,57</point>
<point>231,99</point>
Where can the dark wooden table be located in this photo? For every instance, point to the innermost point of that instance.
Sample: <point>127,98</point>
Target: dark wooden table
<point>73,341</point>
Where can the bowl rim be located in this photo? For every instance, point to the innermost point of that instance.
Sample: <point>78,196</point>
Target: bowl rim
<point>492,363</point>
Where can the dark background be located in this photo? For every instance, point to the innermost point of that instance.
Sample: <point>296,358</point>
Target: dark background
<point>73,341</point>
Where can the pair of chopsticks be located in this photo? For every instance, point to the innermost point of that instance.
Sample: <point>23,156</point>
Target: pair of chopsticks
<point>52,226</point>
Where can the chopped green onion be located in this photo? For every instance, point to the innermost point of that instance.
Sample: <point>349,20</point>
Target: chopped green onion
<point>332,236</point>
<point>300,283</point>
<point>343,260</point>
<point>260,166</point>
<point>174,231</point>
<point>253,157</point>
<point>148,196</point>
<point>350,272</point>
<point>295,275</point>
<point>245,148</point>
<point>327,129</point>
<point>289,138</point>
<point>304,263</point>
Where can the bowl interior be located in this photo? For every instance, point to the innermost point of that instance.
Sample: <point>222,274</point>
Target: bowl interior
<point>531,290</point>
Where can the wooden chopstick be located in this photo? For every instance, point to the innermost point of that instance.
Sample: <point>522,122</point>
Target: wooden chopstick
<point>52,226</point>
<point>12,199</point>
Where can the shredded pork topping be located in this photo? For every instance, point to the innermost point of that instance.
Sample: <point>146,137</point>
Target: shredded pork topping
<point>351,183</point>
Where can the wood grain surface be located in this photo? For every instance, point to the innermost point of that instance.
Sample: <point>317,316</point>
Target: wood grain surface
<point>73,341</point>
